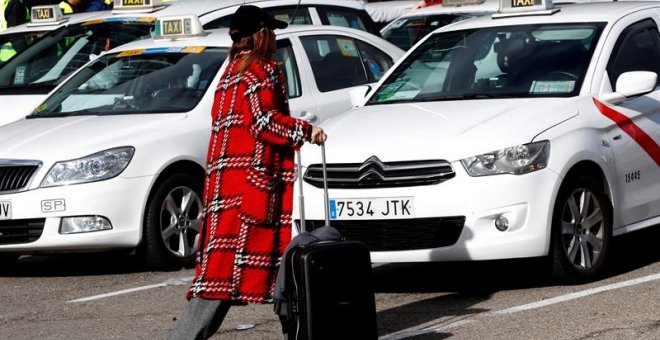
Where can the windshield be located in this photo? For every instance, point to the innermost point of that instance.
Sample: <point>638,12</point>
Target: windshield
<point>50,60</point>
<point>156,80</point>
<point>11,44</point>
<point>405,32</point>
<point>544,60</point>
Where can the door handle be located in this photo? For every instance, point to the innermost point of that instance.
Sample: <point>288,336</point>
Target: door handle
<point>617,137</point>
<point>309,117</point>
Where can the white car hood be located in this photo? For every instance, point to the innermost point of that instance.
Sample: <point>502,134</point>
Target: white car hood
<point>15,107</point>
<point>449,130</point>
<point>56,139</point>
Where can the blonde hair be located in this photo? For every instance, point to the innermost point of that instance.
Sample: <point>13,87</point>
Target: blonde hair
<point>261,46</point>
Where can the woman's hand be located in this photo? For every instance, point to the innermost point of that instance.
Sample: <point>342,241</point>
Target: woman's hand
<point>318,136</point>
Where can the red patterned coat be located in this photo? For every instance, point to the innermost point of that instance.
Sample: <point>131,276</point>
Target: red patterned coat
<point>248,193</point>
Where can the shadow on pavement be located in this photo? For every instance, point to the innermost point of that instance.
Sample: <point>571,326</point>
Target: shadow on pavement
<point>465,284</point>
<point>75,265</point>
<point>634,251</point>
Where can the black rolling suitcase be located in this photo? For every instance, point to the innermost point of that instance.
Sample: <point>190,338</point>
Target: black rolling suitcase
<point>328,288</point>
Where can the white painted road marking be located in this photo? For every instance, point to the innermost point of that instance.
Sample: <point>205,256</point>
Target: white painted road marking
<point>433,329</point>
<point>171,282</point>
<point>577,295</point>
<point>562,298</point>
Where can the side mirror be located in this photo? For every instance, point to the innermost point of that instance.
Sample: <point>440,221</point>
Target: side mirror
<point>358,94</point>
<point>630,84</point>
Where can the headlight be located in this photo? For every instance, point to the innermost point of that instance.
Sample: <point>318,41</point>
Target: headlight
<point>517,160</point>
<point>97,167</point>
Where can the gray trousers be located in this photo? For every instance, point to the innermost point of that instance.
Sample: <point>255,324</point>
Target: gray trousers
<point>201,319</point>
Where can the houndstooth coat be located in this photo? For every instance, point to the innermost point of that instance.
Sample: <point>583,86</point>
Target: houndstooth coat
<point>248,192</point>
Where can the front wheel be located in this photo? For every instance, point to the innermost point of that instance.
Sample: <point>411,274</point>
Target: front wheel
<point>173,221</point>
<point>581,230</point>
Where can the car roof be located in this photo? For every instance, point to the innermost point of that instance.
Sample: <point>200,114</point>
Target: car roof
<point>486,6</point>
<point>577,12</point>
<point>203,7</point>
<point>220,38</point>
<point>29,27</point>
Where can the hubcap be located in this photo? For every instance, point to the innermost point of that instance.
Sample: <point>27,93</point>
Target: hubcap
<point>180,219</point>
<point>582,229</point>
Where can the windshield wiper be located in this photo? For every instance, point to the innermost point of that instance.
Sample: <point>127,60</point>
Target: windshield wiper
<point>63,114</point>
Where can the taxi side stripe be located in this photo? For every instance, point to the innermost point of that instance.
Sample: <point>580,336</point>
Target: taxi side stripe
<point>635,132</point>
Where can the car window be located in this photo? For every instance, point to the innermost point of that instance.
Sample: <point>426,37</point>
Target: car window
<point>405,32</point>
<point>296,15</point>
<point>155,80</point>
<point>637,49</point>
<point>542,60</point>
<point>335,62</point>
<point>376,62</point>
<point>51,59</point>
<point>11,44</point>
<point>346,17</point>
<point>286,61</point>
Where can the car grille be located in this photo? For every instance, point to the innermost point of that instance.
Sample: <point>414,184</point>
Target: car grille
<point>21,231</point>
<point>409,234</point>
<point>376,174</point>
<point>16,175</point>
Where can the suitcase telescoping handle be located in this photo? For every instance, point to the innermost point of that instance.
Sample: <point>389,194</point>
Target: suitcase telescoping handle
<point>301,198</point>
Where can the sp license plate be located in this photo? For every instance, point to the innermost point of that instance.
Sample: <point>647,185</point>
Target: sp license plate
<point>5,210</point>
<point>371,208</point>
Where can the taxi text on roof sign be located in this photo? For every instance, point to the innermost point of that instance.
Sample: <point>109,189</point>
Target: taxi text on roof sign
<point>46,15</point>
<point>134,6</point>
<point>178,26</point>
<point>525,7</point>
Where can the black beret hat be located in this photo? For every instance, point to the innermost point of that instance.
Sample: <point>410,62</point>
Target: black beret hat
<point>249,19</point>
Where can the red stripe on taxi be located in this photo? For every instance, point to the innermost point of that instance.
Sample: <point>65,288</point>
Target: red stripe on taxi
<point>635,132</point>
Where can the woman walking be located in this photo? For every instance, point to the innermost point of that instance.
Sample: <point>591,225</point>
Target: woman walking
<point>248,192</point>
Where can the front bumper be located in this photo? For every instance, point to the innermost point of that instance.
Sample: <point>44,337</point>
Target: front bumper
<point>120,200</point>
<point>527,201</point>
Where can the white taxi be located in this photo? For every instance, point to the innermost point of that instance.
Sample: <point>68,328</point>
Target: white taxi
<point>412,26</point>
<point>115,157</point>
<point>44,19</point>
<point>26,79</point>
<point>529,133</point>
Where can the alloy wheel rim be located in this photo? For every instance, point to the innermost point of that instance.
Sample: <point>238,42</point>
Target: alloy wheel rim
<point>180,221</point>
<point>582,229</point>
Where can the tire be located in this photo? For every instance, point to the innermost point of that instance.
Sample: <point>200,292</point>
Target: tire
<point>581,230</point>
<point>172,222</point>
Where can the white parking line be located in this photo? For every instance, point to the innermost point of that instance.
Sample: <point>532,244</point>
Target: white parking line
<point>171,282</point>
<point>577,295</point>
<point>562,298</point>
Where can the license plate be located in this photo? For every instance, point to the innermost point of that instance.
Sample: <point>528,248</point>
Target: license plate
<point>371,208</point>
<point>5,210</point>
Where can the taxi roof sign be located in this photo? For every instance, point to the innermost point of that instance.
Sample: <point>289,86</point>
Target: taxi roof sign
<point>46,15</point>
<point>137,6</point>
<point>525,7</point>
<point>181,26</point>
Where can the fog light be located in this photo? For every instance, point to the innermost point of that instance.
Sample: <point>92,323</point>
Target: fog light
<point>83,224</point>
<point>501,223</point>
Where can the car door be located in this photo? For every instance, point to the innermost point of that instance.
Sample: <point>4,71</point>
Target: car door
<point>301,100</point>
<point>635,136</point>
<point>339,63</point>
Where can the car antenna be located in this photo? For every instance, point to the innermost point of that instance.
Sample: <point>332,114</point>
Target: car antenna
<point>295,12</point>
